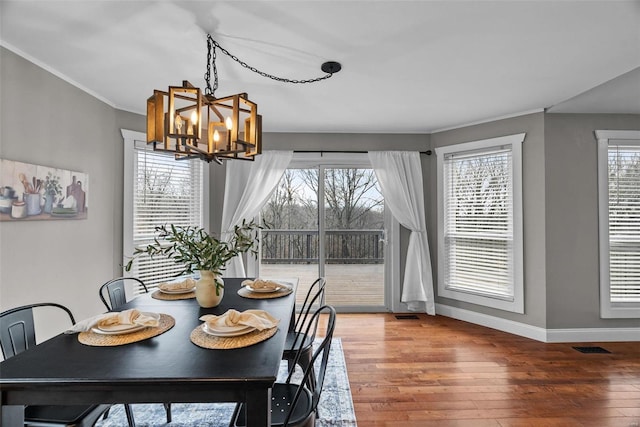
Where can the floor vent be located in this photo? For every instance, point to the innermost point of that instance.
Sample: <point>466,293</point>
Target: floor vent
<point>406,316</point>
<point>591,350</point>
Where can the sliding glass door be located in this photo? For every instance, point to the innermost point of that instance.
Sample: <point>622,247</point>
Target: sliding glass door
<point>328,221</point>
<point>353,236</point>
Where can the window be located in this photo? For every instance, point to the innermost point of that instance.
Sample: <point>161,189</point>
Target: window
<point>619,213</point>
<point>158,190</point>
<point>480,222</point>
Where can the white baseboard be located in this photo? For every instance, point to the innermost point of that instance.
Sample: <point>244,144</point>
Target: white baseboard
<point>516,328</point>
<point>541,334</point>
<point>593,335</point>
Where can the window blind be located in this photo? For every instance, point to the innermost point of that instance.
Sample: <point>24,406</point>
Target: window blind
<point>478,222</point>
<point>165,191</point>
<point>624,223</point>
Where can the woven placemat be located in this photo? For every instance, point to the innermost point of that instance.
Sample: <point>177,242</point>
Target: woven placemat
<point>172,297</point>
<point>246,293</point>
<point>101,340</point>
<point>204,340</point>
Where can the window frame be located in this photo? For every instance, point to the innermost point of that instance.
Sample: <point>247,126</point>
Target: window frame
<point>517,277</point>
<point>605,138</point>
<point>131,140</point>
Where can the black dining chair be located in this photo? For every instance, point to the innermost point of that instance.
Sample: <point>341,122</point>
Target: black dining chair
<point>295,404</point>
<point>17,334</point>
<point>113,295</point>
<point>297,338</point>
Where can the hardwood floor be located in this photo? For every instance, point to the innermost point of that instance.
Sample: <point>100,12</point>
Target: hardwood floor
<point>437,371</point>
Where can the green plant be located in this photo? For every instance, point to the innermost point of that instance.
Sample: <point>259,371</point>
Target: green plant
<point>52,185</point>
<point>195,249</point>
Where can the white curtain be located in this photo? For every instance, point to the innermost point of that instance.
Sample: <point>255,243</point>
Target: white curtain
<point>399,174</point>
<point>248,186</point>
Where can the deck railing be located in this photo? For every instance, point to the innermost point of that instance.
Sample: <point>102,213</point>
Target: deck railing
<point>341,246</point>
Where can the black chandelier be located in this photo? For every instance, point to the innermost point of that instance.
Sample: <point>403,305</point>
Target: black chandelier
<point>190,124</point>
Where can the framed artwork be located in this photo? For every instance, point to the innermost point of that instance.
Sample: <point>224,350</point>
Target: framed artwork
<point>35,192</point>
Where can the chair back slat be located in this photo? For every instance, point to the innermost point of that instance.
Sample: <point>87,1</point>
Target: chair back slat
<point>113,293</point>
<point>117,294</point>
<point>314,294</point>
<point>17,328</point>
<point>17,332</point>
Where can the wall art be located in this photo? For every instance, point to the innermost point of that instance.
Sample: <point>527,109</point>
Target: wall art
<point>35,192</point>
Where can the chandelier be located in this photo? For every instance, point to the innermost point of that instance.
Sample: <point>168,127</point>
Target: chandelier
<point>190,124</point>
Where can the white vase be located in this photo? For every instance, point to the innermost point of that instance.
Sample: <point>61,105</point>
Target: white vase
<point>209,289</point>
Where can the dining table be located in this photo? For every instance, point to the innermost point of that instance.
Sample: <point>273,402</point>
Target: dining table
<point>166,368</point>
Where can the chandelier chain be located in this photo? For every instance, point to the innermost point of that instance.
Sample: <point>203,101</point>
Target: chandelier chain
<point>211,60</point>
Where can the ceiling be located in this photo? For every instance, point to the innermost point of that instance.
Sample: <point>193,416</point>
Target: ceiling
<point>407,66</point>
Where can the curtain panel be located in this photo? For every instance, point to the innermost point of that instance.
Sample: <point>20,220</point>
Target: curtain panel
<point>248,186</point>
<point>399,174</point>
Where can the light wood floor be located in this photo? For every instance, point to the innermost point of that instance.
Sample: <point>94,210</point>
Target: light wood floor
<point>437,371</point>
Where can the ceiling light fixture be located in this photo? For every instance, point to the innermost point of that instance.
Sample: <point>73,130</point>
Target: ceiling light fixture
<point>190,124</point>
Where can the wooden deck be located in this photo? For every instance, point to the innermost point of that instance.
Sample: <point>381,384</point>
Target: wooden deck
<point>360,285</point>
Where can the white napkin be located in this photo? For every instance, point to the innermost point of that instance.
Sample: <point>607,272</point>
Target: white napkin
<point>264,284</point>
<point>126,317</point>
<point>178,286</point>
<point>259,319</point>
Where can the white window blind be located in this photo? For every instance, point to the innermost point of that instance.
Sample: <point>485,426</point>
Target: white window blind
<point>619,222</point>
<point>624,223</point>
<point>480,242</point>
<point>479,222</point>
<point>165,191</point>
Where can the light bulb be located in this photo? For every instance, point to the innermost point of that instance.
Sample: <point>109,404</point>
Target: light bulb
<point>229,123</point>
<point>194,117</point>
<point>216,136</point>
<point>178,122</point>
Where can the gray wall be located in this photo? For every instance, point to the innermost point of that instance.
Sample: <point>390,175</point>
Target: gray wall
<point>571,197</point>
<point>44,120</point>
<point>560,196</point>
<point>533,206</point>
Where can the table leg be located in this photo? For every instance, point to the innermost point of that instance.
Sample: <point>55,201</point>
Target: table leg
<point>258,408</point>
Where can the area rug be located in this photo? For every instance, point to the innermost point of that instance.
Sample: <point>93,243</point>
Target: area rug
<point>335,408</point>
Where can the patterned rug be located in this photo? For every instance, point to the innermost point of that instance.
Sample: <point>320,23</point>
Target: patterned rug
<point>335,409</point>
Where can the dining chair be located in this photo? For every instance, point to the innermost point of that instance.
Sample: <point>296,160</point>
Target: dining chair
<point>297,339</point>
<point>295,404</point>
<point>17,334</point>
<point>113,295</point>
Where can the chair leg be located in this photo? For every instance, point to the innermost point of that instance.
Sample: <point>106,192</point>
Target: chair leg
<point>129,412</point>
<point>167,407</point>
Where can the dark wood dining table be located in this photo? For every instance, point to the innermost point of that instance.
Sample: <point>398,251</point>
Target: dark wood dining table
<point>165,368</point>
